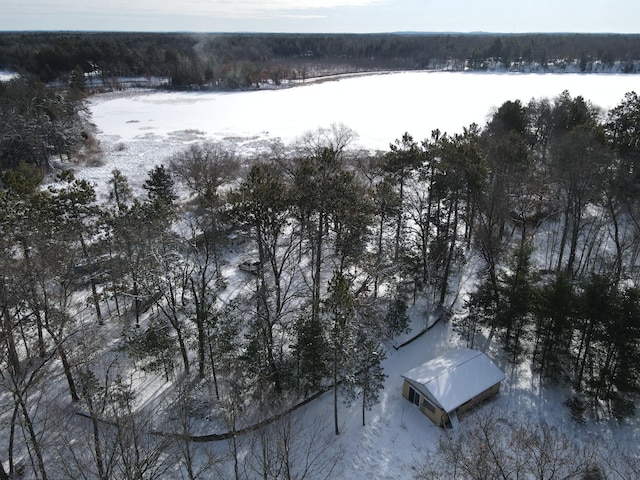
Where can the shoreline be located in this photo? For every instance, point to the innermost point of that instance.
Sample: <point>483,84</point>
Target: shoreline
<point>335,77</point>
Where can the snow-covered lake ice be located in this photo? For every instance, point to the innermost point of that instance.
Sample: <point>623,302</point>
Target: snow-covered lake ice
<point>379,108</point>
<point>138,130</point>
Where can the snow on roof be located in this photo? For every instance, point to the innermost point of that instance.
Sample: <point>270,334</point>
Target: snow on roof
<point>456,377</point>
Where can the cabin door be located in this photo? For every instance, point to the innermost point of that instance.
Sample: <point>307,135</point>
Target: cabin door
<point>414,397</point>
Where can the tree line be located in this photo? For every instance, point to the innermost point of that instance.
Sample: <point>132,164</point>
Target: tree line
<point>332,246</point>
<point>231,61</point>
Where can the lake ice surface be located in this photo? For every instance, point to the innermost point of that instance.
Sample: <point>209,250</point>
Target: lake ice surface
<point>138,130</point>
<point>379,108</point>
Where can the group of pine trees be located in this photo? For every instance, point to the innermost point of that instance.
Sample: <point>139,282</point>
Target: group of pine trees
<point>231,61</point>
<point>564,291</point>
<point>40,125</point>
<point>332,245</point>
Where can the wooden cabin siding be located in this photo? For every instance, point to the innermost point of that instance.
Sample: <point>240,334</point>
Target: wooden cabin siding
<point>478,399</point>
<point>436,414</point>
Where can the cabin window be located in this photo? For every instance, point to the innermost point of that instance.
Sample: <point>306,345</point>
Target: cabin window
<point>428,405</point>
<point>414,397</point>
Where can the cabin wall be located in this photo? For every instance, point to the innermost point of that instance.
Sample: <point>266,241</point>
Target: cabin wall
<point>489,392</point>
<point>435,413</point>
<point>439,416</point>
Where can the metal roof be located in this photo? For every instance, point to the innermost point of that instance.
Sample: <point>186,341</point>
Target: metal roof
<point>455,377</point>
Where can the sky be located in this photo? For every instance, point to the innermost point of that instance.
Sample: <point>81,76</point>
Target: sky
<point>318,16</point>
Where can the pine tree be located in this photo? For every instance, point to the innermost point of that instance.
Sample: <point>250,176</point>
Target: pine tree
<point>339,310</point>
<point>120,191</point>
<point>368,376</point>
<point>160,187</point>
<point>517,300</point>
<point>402,160</point>
<point>262,206</point>
<point>396,321</point>
<point>310,352</point>
<point>554,321</point>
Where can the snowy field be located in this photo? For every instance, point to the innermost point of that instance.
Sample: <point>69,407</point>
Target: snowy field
<point>138,130</point>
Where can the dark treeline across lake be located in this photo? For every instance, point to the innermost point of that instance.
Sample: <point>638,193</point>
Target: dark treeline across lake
<point>231,61</point>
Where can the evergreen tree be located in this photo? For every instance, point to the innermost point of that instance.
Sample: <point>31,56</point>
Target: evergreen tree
<point>160,188</point>
<point>119,191</point>
<point>386,203</point>
<point>368,376</point>
<point>625,335</point>
<point>396,320</point>
<point>401,162</point>
<point>554,321</point>
<point>77,83</point>
<point>339,310</point>
<point>482,307</point>
<point>310,352</point>
<point>262,206</point>
<point>597,301</point>
<point>517,300</point>
<point>153,346</point>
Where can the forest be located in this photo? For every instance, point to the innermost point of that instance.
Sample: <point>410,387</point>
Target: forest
<point>341,242</point>
<point>233,61</point>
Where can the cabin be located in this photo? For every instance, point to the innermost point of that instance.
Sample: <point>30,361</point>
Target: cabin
<point>447,386</point>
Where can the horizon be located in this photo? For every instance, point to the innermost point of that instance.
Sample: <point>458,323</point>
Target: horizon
<point>259,32</point>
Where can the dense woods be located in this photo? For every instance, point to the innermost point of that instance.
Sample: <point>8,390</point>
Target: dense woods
<point>231,61</point>
<point>329,247</point>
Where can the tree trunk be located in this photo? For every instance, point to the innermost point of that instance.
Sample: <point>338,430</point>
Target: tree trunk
<point>136,300</point>
<point>335,394</point>
<point>213,370</point>
<point>379,256</point>
<point>200,325</point>
<point>67,372</point>
<point>201,342</point>
<point>563,240</point>
<point>449,261</point>
<point>616,239</point>
<point>12,353</point>
<point>364,403</point>
<point>183,351</point>
<point>12,432</point>
<point>94,291</point>
<point>317,263</point>
<point>583,353</point>
<point>97,443</point>
<point>399,222</point>
<point>37,450</point>
<point>36,304</point>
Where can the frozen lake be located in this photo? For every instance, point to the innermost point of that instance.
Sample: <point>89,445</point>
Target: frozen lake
<point>141,129</point>
<point>379,108</point>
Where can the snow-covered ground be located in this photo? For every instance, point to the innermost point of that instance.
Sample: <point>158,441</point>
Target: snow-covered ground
<point>138,130</point>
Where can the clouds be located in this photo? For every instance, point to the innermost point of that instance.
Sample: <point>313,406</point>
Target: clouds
<point>271,8</point>
<point>351,16</point>
<point>217,8</point>
<point>177,15</point>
